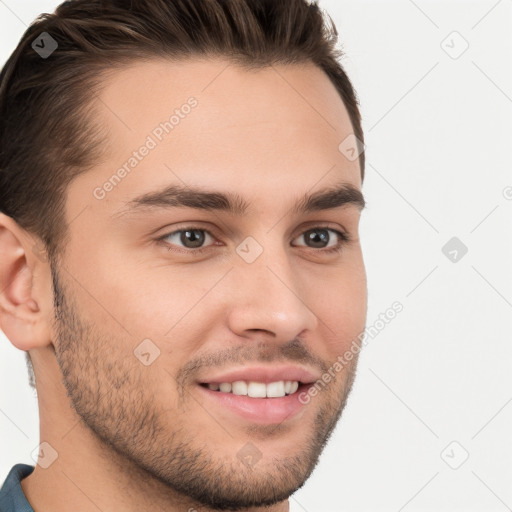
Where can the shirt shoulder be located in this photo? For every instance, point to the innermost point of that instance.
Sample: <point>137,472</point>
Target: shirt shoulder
<point>12,498</point>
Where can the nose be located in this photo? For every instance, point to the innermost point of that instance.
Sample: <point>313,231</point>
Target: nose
<point>270,298</point>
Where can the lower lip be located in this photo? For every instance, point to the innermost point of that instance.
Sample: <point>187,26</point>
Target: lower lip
<point>265,411</point>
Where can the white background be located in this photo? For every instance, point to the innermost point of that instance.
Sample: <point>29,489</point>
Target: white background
<point>438,134</point>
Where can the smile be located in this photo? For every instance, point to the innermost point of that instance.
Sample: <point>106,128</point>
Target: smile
<point>255,389</point>
<point>262,395</point>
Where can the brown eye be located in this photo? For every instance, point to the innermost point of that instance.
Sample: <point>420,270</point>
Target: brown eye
<point>323,238</point>
<point>194,237</point>
<point>188,238</point>
<point>318,238</point>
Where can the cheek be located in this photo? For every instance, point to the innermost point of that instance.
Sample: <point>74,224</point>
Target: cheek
<point>144,298</point>
<point>169,307</point>
<point>342,308</point>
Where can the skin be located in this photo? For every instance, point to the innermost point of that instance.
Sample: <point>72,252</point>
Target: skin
<point>129,436</point>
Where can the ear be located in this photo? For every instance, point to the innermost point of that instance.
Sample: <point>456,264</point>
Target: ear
<point>26,297</point>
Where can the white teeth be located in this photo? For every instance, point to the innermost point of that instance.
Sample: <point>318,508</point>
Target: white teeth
<point>239,387</point>
<point>225,387</point>
<point>257,389</point>
<point>275,389</point>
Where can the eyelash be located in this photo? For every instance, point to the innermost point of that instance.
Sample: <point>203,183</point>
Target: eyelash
<point>344,239</point>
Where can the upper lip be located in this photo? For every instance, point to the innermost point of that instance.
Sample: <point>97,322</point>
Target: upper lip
<point>264,374</point>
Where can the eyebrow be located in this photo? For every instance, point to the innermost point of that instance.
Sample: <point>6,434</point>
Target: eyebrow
<point>176,196</point>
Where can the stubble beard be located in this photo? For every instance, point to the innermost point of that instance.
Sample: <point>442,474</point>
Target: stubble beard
<point>113,400</point>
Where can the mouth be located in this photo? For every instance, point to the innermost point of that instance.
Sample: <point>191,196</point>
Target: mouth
<point>261,397</point>
<point>256,389</point>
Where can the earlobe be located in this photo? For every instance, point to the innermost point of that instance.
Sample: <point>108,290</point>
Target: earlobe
<point>24,298</point>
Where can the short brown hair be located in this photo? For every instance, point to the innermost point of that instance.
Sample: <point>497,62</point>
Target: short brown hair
<point>47,130</point>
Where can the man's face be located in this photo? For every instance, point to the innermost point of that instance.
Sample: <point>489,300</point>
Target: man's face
<point>151,321</point>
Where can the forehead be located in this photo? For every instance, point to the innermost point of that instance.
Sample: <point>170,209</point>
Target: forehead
<point>270,129</point>
<point>159,85</point>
